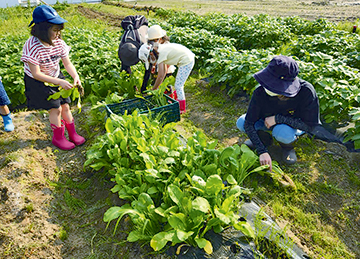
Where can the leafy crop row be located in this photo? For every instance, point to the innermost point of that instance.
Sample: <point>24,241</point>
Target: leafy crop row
<point>176,193</point>
<point>258,31</point>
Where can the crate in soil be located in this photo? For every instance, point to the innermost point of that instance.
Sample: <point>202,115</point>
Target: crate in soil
<point>170,112</point>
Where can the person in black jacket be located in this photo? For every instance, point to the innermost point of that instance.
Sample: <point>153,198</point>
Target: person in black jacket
<point>284,105</point>
<point>135,34</point>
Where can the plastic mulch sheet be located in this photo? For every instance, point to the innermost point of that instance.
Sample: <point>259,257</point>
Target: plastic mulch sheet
<point>232,244</point>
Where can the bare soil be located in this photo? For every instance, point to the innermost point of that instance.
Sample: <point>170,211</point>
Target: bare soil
<point>51,207</point>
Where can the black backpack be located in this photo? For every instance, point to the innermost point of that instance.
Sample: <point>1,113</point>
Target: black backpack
<point>131,24</point>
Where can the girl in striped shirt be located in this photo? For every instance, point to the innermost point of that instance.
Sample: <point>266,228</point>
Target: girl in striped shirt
<point>42,53</point>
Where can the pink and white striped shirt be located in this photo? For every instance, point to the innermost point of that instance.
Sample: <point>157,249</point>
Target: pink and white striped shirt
<point>47,57</point>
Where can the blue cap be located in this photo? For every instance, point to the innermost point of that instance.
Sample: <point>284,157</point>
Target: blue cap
<point>45,13</point>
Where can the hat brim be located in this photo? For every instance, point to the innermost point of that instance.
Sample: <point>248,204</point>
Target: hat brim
<point>57,20</point>
<point>277,85</point>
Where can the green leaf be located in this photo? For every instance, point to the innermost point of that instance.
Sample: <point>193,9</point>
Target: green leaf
<point>205,244</point>
<point>230,179</point>
<point>152,190</point>
<point>177,221</point>
<point>201,242</point>
<point>245,228</point>
<point>226,205</point>
<point>357,144</point>
<point>169,160</point>
<point>225,154</point>
<point>201,204</point>
<point>235,191</point>
<point>109,126</point>
<point>97,166</point>
<point>214,185</point>
<point>209,169</point>
<point>66,93</point>
<point>142,203</point>
<point>135,236</point>
<point>55,96</point>
<point>355,137</point>
<point>182,235</point>
<point>112,213</point>
<point>213,222</point>
<point>119,212</point>
<point>175,194</point>
<point>223,217</point>
<point>161,239</point>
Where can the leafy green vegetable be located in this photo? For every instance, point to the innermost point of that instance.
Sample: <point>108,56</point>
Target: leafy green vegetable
<point>72,92</point>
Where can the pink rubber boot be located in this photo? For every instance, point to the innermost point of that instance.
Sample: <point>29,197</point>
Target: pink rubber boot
<point>182,104</point>
<point>73,136</point>
<point>59,139</point>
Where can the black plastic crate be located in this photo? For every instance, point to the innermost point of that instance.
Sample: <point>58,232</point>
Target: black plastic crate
<point>170,112</point>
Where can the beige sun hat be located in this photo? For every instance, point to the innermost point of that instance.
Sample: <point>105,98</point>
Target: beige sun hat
<point>155,32</point>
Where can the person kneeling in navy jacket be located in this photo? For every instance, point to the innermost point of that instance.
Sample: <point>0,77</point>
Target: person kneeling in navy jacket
<point>283,105</point>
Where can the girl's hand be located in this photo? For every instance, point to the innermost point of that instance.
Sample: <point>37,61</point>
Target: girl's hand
<point>77,81</point>
<point>65,84</point>
<point>270,121</point>
<point>265,159</point>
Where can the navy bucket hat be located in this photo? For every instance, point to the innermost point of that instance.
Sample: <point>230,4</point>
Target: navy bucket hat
<point>128,54</point>
<point>45,13</point>
<point>280,76</point>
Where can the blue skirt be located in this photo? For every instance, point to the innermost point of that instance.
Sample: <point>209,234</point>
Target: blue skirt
<point>4,98</point>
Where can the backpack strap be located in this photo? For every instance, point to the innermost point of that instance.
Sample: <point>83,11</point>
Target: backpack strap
<point>131,35</point>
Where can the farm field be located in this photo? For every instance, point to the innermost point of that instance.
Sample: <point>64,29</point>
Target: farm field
<point>334,10</point>
<point>52,206</point>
